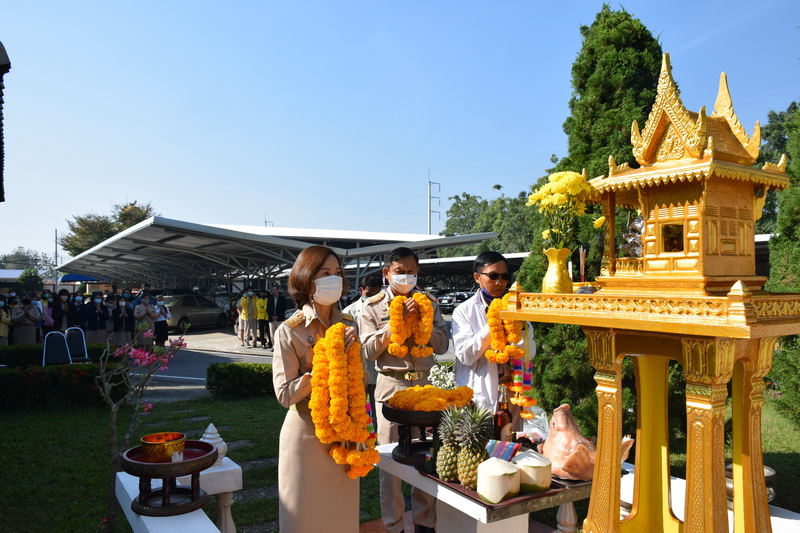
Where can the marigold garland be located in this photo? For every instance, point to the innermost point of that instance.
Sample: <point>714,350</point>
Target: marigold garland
<point>504,334</point>
<point>338,403</point>
<point>419,325</point>
<point>430,398</point>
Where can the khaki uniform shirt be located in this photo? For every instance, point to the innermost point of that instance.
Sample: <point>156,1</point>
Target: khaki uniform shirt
<point>294,354</point>
<point>375,336</point>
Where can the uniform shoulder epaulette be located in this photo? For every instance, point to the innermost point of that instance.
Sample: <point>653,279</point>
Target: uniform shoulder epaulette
<point>377,298</point>
<point>429,295</point>
<point>295,319</point>
<point>348,316</point>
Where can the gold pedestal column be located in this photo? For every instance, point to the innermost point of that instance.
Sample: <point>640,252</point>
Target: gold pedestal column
<point>603,513</point>
<point>751,513</point>
<point>708,366</point>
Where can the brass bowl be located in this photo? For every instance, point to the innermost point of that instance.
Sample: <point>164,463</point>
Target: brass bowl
<point>158,447</point>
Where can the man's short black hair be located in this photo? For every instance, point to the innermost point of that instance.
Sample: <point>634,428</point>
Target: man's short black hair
<point>488,258</point>
<point>400,253</point>
<point>373,280</point>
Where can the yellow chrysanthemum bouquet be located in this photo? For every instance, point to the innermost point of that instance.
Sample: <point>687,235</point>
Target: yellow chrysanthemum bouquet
<point>561,201</point>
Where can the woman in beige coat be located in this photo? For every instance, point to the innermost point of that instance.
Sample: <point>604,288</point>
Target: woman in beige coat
<point>315,493</point>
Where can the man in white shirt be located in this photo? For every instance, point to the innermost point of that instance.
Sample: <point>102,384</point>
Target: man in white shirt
<point>471,336</point>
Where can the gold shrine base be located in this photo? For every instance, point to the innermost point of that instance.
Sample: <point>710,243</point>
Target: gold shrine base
<point>717,340</point>
<point>709,364</point>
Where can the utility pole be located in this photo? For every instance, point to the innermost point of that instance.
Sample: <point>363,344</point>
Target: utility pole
<point>438,200</point>
<point>55,251</point>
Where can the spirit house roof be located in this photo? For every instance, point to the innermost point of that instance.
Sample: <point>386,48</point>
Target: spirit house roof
<point>677,145</point>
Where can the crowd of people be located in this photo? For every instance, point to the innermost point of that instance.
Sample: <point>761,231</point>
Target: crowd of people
<point>316,283</point>
<point>27,318</point>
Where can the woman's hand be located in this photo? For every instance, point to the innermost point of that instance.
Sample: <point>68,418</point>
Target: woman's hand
<point>349,337</point>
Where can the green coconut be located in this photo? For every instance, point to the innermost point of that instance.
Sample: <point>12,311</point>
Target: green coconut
<point>498,480</point>
<point>534,471</point>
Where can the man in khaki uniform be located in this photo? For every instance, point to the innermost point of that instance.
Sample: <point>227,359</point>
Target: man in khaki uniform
<point>398,373</point>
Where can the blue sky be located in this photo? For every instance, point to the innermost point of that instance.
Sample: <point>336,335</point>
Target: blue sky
<point>329,114</point>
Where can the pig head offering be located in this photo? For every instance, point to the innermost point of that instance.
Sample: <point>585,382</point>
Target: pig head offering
<point>572,455</point>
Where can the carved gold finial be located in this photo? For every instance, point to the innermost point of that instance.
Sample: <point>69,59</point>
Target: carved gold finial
<point>709,151</point>
<point>697,138</point>
<point>759,199</point>
<point>613,167</point>
<point>780,167</point>
<point>723,107</point>
<point>636,141</point>
<point>740,289</point>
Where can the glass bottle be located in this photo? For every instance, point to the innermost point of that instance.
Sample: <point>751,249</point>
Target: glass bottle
<point>502,417</point>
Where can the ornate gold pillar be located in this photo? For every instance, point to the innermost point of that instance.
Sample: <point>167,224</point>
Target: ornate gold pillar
<point>749,497</point>
<point>708,366</point>
<point>603,515</point>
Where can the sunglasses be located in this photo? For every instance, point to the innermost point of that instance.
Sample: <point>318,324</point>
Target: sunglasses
<point>494,276</point>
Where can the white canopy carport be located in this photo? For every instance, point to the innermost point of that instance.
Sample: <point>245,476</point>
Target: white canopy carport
<point>175,253</point>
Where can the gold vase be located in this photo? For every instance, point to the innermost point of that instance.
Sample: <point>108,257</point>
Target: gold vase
<point>557,278</point>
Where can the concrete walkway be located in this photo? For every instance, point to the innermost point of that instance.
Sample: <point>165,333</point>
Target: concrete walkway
<point>219,342</point>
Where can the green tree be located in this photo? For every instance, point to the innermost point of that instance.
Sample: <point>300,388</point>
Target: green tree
<point>614,80</point>
<point>506,215</point>
<point>21,258</point>
<point>87,231</point>
<point>30,281</point>
<point>775,136</point>
<point>784,257</point>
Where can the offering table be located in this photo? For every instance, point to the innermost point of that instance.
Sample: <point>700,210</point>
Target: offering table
<point>459,513</point>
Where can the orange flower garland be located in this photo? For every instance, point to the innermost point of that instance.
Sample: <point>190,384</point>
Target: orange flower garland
<point>420,326</point>
<point>430,398</point>
<point>338,403</point>
<point>504,334</point>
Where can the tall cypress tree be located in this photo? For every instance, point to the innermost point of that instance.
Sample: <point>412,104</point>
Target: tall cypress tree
<point>614,80</point>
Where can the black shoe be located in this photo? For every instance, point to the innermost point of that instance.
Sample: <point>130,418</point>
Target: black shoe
<point>423,529</point>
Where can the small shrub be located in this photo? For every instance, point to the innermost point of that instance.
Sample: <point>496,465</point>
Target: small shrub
<point>785,377</point>
<point>36,388</point>
<point>239,380</point>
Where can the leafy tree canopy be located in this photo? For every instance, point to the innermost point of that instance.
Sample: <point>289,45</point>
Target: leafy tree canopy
<point>20,259</point>
<point>30,281</point>
<point>507,215</point>
<point>89,230</point>
<point>775,136</point>
<point>784,247</point>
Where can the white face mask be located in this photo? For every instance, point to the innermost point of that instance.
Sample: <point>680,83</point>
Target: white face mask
<point>403,283</point>
<point>329,290</point>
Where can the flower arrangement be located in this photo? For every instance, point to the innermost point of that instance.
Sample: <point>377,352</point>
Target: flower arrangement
<point>504,334</point>
<point>561,201</point>
<point>339,407</point>
<point>430,398</point>
<point>442,375</point>
<point>420,326</point>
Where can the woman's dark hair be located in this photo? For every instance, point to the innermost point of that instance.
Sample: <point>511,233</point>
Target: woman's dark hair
<point>488,258</point>
<point>63,292</point>
<point>301,278</point>
<point>400,253</point>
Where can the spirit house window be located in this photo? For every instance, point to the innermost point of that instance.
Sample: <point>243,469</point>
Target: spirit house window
<point>672,238</point>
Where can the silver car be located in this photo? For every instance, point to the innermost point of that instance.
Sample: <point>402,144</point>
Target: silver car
<point>194,310</point>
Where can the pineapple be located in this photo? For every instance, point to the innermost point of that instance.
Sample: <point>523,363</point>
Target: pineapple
<point>447,456</point>
<point>474,431</point>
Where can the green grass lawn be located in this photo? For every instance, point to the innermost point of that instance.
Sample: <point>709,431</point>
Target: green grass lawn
<point>55,464</point>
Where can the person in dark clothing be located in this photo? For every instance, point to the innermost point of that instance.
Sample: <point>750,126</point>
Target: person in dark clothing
<point>95,315</point>
<point>64,312</point>
<point>276,309</point>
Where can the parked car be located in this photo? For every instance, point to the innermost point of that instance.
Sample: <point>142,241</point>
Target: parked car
<point>195,310</point>
<point>449,302</point>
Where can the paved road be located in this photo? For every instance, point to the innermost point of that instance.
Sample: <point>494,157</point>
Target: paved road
<point>186,376</point>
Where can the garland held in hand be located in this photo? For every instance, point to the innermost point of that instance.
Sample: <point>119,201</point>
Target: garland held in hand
<point>504,334</point>
<point>419,325</point>
<point>339,403</point>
